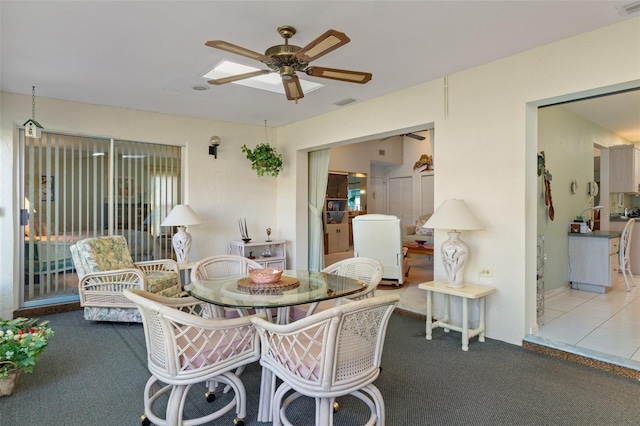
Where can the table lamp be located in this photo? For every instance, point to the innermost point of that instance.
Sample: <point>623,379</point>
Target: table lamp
<point>181,216</point>
<point>454,215</point>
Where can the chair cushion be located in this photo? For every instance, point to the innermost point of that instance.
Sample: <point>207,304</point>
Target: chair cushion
<point>105,253</point>
<point>423,231</point>
<point>163,283</point>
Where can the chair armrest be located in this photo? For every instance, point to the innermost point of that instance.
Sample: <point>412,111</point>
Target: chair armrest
<point>165,265</point>
<point>104,289</point>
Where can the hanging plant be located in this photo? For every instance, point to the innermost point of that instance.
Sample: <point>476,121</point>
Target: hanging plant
<point>264,159</point>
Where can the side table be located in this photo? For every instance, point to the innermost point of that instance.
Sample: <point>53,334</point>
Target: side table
<point>185,271</point>
<point>469,291</point>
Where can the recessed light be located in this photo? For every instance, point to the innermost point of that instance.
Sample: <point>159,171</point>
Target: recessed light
<point>200,87</point>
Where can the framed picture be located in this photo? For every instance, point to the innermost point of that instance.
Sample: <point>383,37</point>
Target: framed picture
<point>47,188</point>
<point>124,190</point>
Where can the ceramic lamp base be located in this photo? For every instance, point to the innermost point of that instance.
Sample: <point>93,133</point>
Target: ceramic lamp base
<point>454,256</point>
<point>182,244</point>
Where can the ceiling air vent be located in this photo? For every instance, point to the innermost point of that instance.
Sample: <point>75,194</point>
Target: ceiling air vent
<point>345,102</point>
<point>629,9</point>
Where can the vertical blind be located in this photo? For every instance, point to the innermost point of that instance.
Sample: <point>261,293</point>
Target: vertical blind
<point>80,187</point>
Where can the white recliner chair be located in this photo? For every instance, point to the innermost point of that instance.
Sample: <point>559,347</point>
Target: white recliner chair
<point>379,237</point>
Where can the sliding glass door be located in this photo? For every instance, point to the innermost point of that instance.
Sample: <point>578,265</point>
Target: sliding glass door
<point>78,187</point>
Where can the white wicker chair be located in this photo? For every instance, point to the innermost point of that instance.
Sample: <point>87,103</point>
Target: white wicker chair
<point>330,354</point>
<point>224,266</point>
<point>369,271</point>
<point>183,349</point>
<point>624,255</point>
<point>105,268</point>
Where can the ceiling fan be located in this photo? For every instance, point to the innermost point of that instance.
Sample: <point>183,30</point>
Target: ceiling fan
<point>410,135</point>
<point>286,59</point>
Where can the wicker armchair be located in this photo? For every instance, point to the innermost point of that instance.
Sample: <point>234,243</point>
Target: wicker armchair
<point>185,348</point>
<point>105,269</point>
<point>330,354</point>
<point>223,266</point>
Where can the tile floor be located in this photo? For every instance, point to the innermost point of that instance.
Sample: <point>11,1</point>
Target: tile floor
<point>605,327</point>
<point>602,326</point>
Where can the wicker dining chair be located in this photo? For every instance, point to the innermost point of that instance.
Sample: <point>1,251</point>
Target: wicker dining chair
<point>184,348</point>
<point>220,267</point>
<point>367,270</point>
<point>330,354</point>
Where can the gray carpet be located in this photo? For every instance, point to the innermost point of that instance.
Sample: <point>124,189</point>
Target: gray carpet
<point>94,374</point>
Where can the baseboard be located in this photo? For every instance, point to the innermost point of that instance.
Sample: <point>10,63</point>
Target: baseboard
<point>46,310</point>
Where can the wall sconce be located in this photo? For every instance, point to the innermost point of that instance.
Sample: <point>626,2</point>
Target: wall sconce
<point>213,148</point>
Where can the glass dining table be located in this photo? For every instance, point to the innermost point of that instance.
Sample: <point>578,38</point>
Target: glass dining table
<point>296,287</point>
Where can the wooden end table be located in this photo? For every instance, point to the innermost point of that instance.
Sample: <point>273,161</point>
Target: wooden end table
<point>421,249</point>
<point>469,291</point>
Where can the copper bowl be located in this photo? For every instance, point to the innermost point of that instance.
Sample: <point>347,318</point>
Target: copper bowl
<point>265,275</point>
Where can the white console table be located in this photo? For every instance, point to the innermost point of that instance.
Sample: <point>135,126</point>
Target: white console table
<point>267,253</point>
<point>469,291</point>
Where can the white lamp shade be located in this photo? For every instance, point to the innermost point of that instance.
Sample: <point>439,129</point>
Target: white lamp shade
<point>453,214</point>
<point>181,215</point>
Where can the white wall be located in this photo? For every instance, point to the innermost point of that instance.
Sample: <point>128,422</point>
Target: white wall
<point>567,141</point>
<point>486,155</point>
<point>219,190</point>
<point>486,150</point>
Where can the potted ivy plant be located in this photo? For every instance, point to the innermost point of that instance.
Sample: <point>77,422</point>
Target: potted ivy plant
<point>22,340</point>
<point>264,159</point>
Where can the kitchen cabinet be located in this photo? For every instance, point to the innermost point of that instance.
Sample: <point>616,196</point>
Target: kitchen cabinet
<point>593,260</point>
<point>269,254</point>
<point>336,215</point>
<point>624,169</point>
<point>338,237</point>
<point>634,252</point>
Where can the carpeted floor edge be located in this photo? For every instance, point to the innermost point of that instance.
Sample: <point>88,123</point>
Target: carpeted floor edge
<point>579,359</point>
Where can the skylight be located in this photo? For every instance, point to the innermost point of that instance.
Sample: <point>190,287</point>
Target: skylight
<point>270,82</point>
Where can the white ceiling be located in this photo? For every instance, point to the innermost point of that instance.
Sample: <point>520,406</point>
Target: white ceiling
<point>148,55</point>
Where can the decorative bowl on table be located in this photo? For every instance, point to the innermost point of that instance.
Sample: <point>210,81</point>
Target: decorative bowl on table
<point>420,242</point>
<point>265,275</point>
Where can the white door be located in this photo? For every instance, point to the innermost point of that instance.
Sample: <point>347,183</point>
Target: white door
<point>401,199</point>
<point>426,194</point>
<point>377,197</point>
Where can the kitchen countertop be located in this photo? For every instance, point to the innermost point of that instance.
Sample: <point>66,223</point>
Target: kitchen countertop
<point>622,219</point>
<point>598,234</point>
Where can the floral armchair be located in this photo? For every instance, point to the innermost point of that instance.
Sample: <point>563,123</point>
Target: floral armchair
<point>105,268</point>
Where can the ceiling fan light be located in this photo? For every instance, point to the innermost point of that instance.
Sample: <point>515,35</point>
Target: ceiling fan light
<point>287,72</point>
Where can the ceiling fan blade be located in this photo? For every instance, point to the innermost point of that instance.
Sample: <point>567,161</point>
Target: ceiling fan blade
<point>228,47</point>
<point>327,42</point>
<point>337,74</point>
<point>232,78</point>
<point>292,88</point>
<point>414,136</point>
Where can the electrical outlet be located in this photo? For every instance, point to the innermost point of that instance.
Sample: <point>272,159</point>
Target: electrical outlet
<point>486,272</point>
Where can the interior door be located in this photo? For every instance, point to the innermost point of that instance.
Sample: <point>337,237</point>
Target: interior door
<point>401,199</point>
<point>426,194</point>
<point>377,200</point>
